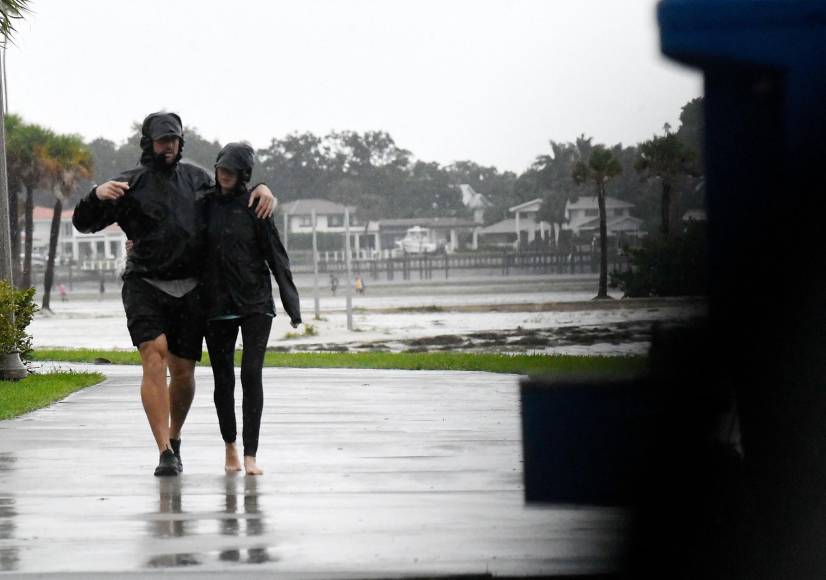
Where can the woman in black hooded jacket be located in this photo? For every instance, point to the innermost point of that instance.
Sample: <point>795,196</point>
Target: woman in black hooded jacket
<point>242,250</point>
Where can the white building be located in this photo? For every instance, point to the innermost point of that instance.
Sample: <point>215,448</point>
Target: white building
<point>525,220</point>
<point>104,250</point>
<point>522,228</point>
<point>582,216</point>
<point>297,216</point>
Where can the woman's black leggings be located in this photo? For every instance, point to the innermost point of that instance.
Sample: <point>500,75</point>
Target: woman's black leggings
<point>220,338</point>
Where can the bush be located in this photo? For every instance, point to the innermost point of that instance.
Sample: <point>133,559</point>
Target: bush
<point>13,337</point>
<point>666,266</point>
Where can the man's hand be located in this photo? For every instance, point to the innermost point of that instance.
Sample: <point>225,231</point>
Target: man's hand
<point>111,190</point>
<point>266,201</point>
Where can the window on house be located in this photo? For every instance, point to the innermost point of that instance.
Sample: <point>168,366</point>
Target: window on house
<point>305,221</point>
<point>335,221</point>
<point>619,212</point>
<point>591,212</point>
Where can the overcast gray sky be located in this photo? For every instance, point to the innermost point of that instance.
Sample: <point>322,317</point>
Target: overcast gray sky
<point>487,80</point>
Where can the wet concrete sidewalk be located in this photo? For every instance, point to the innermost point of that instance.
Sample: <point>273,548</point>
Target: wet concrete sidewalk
<point>368,473</point>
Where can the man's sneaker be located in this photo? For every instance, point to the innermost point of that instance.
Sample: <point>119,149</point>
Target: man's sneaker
<point>176,449</point>
<point>167,465</point>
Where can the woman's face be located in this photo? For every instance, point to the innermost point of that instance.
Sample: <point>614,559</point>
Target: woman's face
<point>227,178</point>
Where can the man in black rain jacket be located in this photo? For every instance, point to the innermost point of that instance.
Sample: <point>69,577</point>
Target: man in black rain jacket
<point>157,205</point>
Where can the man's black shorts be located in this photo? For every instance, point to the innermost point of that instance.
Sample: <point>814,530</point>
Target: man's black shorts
<point>151,312</point>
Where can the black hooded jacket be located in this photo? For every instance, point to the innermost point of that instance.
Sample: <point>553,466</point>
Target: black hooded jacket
<point>160,212</point>
<point>240,249</point>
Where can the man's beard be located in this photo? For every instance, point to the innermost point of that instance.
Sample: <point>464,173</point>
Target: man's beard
<point>159,160</point>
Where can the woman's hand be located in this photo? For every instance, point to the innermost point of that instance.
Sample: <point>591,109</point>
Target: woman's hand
<point>266,201</point>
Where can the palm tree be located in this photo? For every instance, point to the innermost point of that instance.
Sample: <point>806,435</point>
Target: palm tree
<point>26,146</point>
<point>68,160</point>
<point>667,158</point>
<point>601,165</point>
<point>11,10</point>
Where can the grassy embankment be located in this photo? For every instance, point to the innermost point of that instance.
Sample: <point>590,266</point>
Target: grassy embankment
<point>36,391</point>
<point>525,364</point>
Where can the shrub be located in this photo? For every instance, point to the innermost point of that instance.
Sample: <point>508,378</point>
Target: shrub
<point>13,336</point>
<point>666,266</point>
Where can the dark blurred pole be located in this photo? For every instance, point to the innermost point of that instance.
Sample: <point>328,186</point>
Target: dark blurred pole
<point>349,283</point>
<point>765,90</point>
<point>315,271</point>
<point>11,368</point>
<point>5,234</point>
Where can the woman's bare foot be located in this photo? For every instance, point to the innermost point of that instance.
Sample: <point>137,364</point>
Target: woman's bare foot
<point>232,463</point>
<point>251,467</point>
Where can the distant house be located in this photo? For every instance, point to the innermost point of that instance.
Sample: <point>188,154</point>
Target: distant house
<point>103,250</point>
<point>523,228</point>
<point>500,235</point>
<point>475,202</point>
<point>583,216</point>
<point>297,216</point>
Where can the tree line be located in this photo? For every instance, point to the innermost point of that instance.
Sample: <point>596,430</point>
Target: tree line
<point>370,171</point>
<point>383,180</point>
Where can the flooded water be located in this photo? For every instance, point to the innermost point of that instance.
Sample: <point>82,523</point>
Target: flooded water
<point>549,314</point>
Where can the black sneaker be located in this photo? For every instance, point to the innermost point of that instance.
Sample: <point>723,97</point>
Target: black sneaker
<point>176,449</point>
<point>167,465</point>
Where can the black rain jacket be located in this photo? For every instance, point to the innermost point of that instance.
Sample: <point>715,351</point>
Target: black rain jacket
<point>160,213</point>
<point>240,248</point>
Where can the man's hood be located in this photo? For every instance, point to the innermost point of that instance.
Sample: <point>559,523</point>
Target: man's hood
<point>157,126</point>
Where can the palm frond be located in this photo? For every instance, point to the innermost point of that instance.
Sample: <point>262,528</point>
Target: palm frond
<point>10,11</point>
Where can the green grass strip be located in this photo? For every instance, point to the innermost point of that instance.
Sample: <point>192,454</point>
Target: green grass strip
<point>524,364</point>
<point>37,391</point>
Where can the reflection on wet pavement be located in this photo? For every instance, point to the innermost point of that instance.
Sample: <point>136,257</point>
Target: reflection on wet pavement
<point>9,557</point>
<point>172,521</point>
<point>253,521</point>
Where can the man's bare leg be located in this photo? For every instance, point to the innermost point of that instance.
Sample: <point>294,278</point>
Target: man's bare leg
<point>181,392</point>
<point>154,392</point>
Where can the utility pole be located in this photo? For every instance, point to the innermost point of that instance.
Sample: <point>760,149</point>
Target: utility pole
<point>315,271</point>
<point>349,283</point>
<point>10,368</point>
<point>5,234</point>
